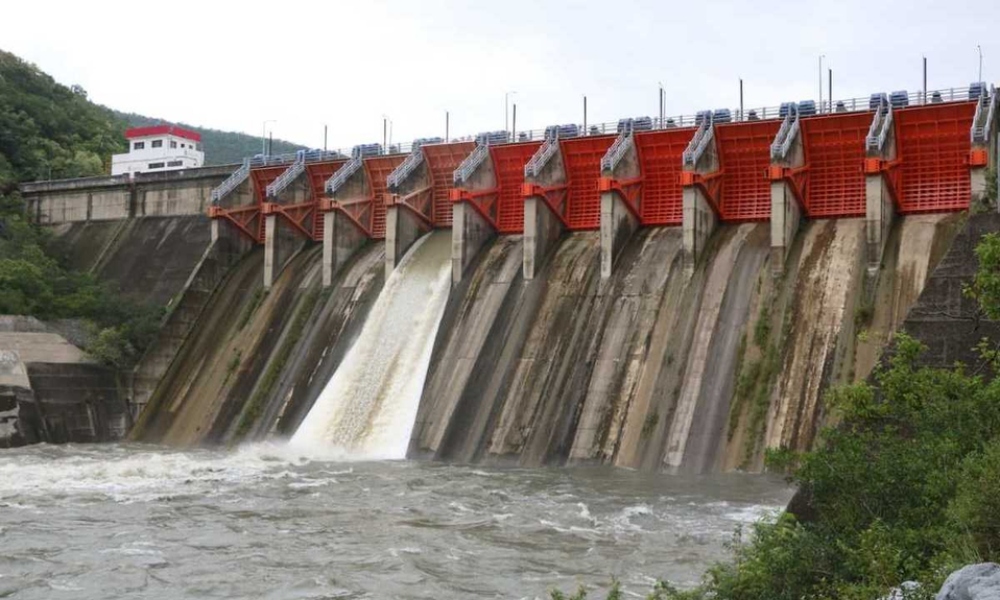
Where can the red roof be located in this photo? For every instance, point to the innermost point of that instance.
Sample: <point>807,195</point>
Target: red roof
<point>135,132</point>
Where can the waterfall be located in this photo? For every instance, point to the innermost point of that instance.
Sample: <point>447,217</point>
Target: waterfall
<point>368,408</point>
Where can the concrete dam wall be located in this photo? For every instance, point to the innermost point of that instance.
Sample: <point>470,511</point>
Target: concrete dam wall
<point>658,369</point>
<point>659,366</point>
<point>654,300</point>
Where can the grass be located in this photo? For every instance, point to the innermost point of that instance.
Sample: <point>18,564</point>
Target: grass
<point>234,364</point>
<point>248,312</point>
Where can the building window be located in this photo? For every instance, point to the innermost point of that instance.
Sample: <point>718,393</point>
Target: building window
<point>173,144</point>
<point>156,165</point>
<point>157,144</point>
<point>138,145</point>
<point>175,163</point>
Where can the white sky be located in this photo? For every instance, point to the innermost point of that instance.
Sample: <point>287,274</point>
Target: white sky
<point>231,66</point>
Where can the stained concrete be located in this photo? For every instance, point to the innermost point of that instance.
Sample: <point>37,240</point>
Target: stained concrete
<point>643,370</point>
<point>470,233</point>
<point>255,361</point>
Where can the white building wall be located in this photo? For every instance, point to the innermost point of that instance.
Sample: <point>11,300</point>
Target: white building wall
<point>174,152</point>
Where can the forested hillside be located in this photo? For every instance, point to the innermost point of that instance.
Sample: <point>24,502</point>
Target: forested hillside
<point>51,131</point>
<point>48,130</point>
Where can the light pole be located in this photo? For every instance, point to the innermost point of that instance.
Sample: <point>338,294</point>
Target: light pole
<point>263,135</point>
<point>980,48</point>
<point>820,103</point>
<point>662,94</point>
<point>386,133</point>
<point>506,112</point>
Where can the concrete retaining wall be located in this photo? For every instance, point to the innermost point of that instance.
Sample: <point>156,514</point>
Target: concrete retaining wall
<point>170,193</point>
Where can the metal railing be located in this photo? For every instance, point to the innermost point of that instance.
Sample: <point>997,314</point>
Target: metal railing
<point>344,173</point>
<point>786,136</point>
<point>779,138</point>
<point>541,157</point>
<point>468,166</point>
<point>879,130</point>
<point>763,113</point>
<point>982,122</point>
<point>288,176</point>
<point>232,182</point>
<point>616,152</point>
<point>405,168</point>
<point>699,142</point>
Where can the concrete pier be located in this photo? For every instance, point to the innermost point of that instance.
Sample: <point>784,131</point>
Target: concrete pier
<point>700,219</point>
<point>409,210</point>
<point>471,231</point>
<point>283,237</point>
<point>402,228</point>
<point>341,236</point>
<point>619,221</point>
<point>880,211</point>
<point>787,212</point>
<point>542,226</point>
<point>341,239</point>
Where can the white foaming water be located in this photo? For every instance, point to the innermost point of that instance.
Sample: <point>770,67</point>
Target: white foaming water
<point>368,407</point>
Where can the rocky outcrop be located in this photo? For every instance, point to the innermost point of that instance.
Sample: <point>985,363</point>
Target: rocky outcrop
<point>973,582</point>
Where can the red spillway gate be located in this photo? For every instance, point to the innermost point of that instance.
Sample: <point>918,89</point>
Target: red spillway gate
<point>834,148</point>
<point>508,166</point>
<point>660,163</point>
<point>263,177</point>
<point>932,151</point>
<point>582,161</point>
<point>744,151</point>
<point>318,174</point>
<point>378,169</point>
<point>442,160</point>
<point>503,204</point>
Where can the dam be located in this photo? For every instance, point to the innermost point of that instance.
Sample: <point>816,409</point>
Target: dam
<point>662,295</point>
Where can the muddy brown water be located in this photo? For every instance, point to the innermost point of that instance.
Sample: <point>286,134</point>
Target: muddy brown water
<point>264,521</point>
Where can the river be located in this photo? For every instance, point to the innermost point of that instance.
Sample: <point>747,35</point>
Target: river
<point>264,521</point>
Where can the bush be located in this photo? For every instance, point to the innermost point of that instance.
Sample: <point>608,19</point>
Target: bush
<point>975,510</point>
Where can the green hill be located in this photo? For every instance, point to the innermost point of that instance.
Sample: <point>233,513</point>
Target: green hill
<point>221,147</point>
<point>48,130</point>
<point>51,131</point>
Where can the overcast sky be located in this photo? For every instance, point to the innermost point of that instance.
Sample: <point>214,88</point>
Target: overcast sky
<point>231,66</point>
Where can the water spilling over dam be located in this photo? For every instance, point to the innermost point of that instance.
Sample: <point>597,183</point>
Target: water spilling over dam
<point>367,408</point>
